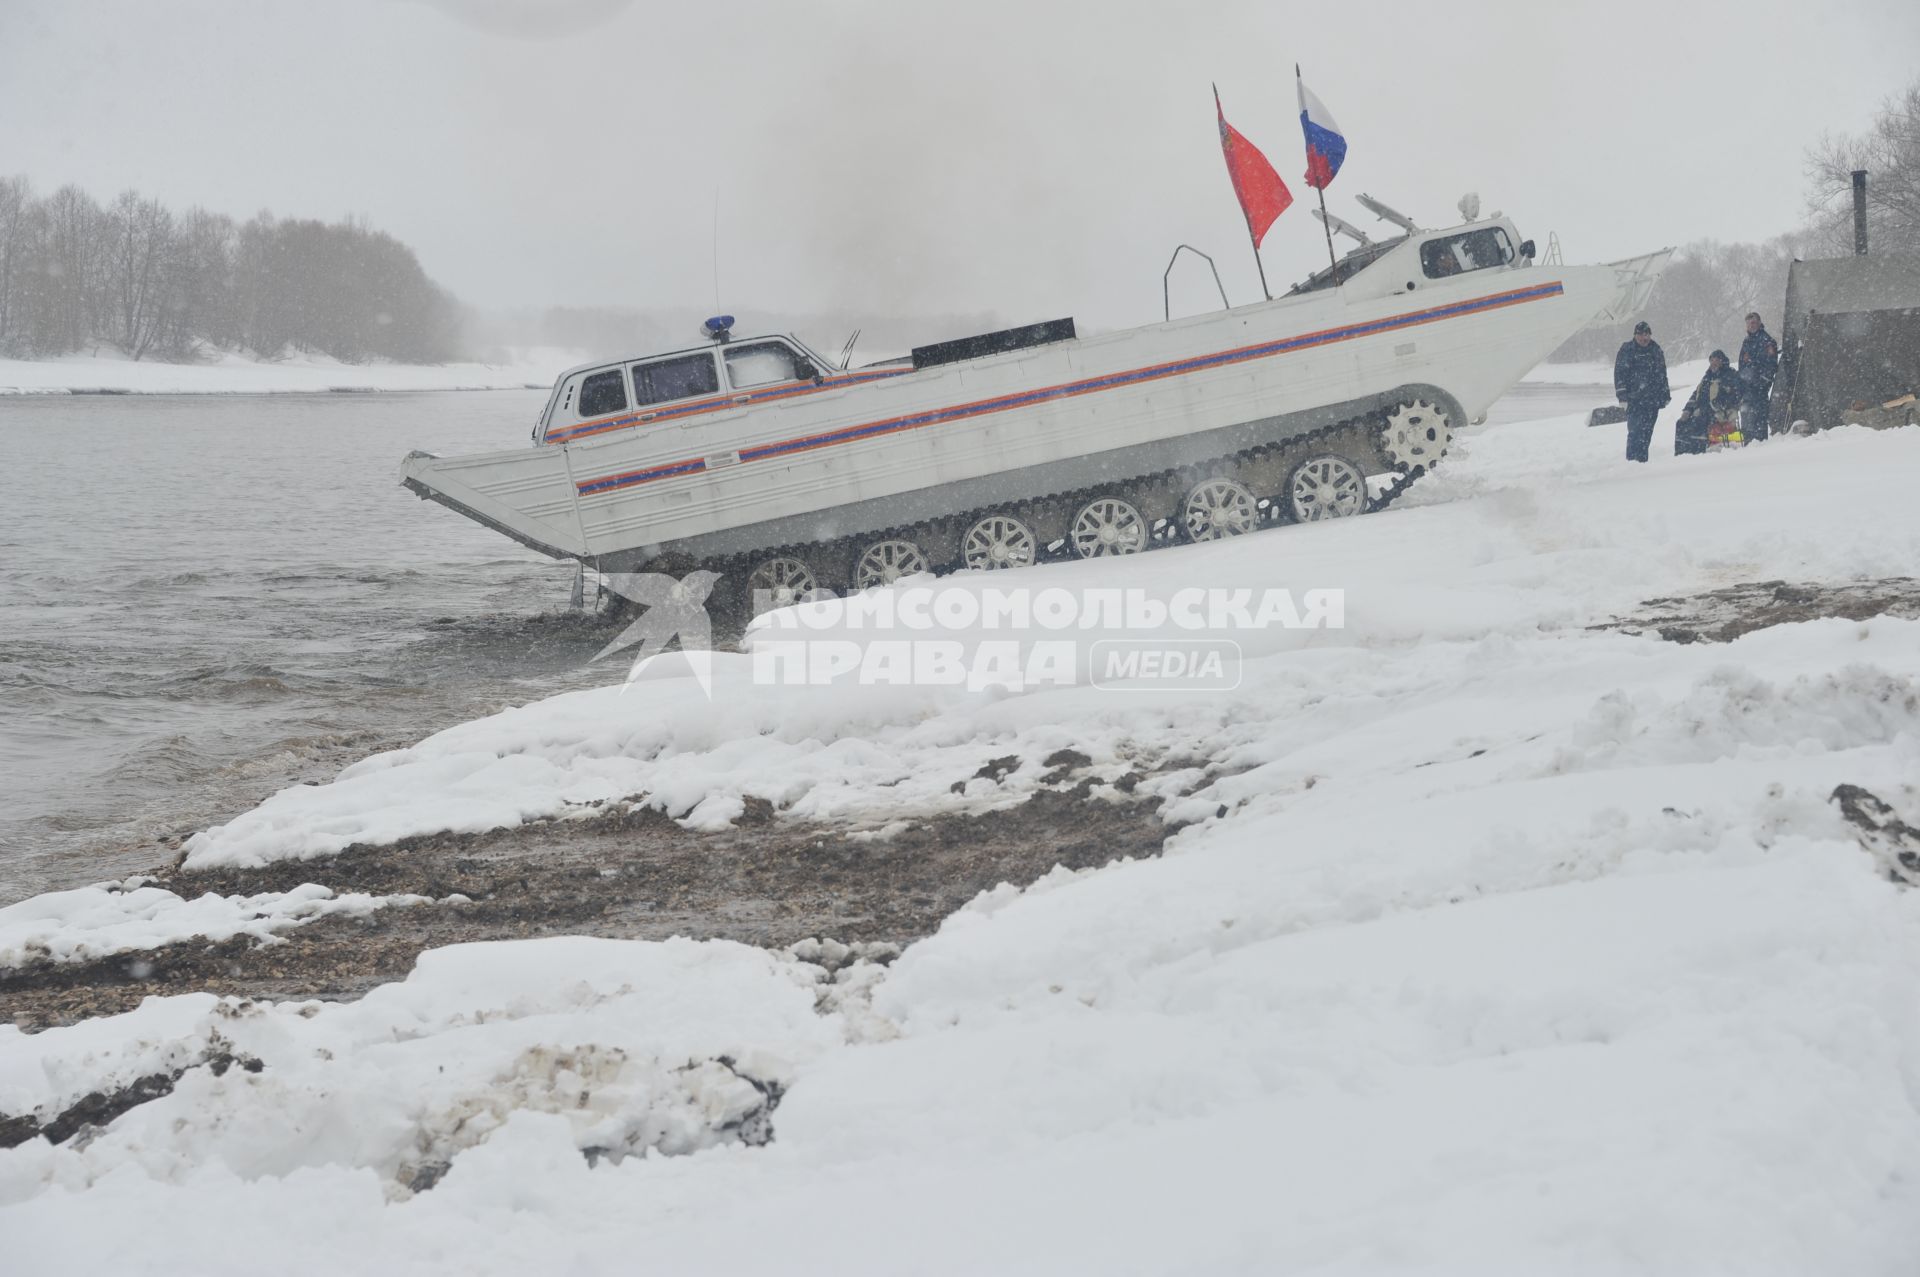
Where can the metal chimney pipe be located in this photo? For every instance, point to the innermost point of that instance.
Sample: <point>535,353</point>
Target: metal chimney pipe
<point>1859,212</point>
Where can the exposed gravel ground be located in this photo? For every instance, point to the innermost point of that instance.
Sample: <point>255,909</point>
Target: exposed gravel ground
<point>631,874</point>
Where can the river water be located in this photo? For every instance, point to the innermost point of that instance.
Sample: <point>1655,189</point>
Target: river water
<point>204,599</point>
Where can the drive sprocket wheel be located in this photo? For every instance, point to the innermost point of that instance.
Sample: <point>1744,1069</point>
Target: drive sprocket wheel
<point>1415,435</point>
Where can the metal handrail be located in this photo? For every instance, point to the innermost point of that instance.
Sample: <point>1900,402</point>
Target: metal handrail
<point>1166,294</point>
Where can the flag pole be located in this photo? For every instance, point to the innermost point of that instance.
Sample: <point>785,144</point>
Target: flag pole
<point>1327,226</point>
<point>1333,259</point>
<point>1220,112</point>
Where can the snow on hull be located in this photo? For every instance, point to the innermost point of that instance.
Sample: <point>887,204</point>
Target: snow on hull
<point>1495,944</point>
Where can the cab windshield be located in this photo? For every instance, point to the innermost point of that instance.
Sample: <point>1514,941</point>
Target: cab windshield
<point>1457,254</point>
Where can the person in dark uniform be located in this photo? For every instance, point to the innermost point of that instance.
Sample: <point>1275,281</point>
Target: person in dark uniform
<point>1712,414</point>
<point>1759,361</point>
<point>1640,382</point>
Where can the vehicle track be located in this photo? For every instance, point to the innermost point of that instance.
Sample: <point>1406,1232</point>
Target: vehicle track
<point>1045,529</point>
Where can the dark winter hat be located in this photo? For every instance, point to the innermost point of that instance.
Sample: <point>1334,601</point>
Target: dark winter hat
<point>1643,327</point>
<point>1721,355</point>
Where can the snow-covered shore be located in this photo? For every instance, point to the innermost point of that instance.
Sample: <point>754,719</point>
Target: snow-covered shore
<point>1489,942</point>
<point>128,917</point>
<point>231,374</point>
<point>1532,532</point>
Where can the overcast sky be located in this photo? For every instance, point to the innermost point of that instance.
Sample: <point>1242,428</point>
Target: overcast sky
<point>1032,158</point>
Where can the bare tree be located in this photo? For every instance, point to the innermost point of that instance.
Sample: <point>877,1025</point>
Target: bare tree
<point>1890,152</point>
<point>141,260</point>
<point>68,272</point>
<point>256,301</point>
<point>16,210</point>
<point>199,300</point>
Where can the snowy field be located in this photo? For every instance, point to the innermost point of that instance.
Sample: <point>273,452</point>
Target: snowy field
<point>1485,941</point>
<point>231,374</point>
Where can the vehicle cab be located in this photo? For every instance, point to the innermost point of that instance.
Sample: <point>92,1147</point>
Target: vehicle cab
<point>1422,259</point>
<point>598,398</point>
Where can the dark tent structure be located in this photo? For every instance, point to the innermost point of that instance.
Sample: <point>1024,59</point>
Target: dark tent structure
<point>1850,336</point>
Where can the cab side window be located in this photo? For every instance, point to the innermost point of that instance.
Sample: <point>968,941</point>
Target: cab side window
<point>671,379</point>
<point>604,392</point>
<point>1476,250</point>
<point>761,364</point>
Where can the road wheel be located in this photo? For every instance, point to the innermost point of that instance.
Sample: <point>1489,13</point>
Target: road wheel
<point>1219,508</point>
<point>781,581</point>
<point>885,562</point>
<point>1107,525</point>
<point>998,541</point>
<point>1326,486</point>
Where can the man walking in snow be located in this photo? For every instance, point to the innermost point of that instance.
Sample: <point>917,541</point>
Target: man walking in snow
<point>1640,382</point>
<point>1759,361</point>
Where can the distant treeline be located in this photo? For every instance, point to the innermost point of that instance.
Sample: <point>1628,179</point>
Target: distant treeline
<point>1701,300</point>
<point>136,276</point>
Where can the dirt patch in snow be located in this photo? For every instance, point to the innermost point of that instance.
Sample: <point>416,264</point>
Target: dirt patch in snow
<point>1720,616</point>
<point>628,873</point>
<point>98,1108</point>
<point>1891,840</point>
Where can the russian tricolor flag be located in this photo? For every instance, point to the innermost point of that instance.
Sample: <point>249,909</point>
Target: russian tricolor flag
<point>1326,144</point>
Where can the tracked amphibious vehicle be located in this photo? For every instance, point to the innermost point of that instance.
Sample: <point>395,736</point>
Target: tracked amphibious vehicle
<point>756,459</point>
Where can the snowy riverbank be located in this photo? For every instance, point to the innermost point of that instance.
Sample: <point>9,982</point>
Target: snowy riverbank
<point>1483,940</point>
<point>231,374</point>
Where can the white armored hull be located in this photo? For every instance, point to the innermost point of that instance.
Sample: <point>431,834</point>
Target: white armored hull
<point>739,478</point>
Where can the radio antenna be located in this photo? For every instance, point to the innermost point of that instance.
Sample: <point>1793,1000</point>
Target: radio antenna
<point>716,248</point>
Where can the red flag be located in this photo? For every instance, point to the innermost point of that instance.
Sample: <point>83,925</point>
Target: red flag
<point>1262,195</point>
